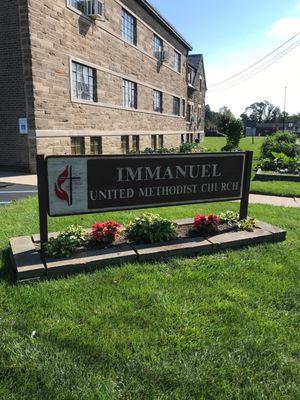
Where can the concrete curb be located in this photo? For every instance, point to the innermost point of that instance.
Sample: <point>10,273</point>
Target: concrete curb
<point>29,265</point>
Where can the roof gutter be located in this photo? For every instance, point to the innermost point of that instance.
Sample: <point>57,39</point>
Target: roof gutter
<point>169,27</point>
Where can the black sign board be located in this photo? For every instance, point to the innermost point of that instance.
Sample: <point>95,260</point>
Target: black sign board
<point>71,185</point>
<point>150,181</point>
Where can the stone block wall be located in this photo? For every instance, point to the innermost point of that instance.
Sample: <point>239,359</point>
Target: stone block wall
<point>13,146</point>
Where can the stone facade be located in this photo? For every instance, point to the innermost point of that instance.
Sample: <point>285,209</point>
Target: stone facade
<point>13,146</point>
<point>51,36</point>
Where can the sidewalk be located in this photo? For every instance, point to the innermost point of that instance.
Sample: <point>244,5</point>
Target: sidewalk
<point>275,200</point>
<point>18,178</point>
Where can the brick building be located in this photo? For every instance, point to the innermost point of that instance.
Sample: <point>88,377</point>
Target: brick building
<point>85,76</point>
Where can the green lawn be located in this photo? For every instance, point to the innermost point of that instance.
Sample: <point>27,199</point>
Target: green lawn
<point>276,188</point>
<point>215,327</point>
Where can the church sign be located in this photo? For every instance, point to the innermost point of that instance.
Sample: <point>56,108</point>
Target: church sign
<point>70,185</point>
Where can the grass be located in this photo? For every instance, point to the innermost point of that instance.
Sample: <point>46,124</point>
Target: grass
<point>214,327</point>
<point>276,188</point>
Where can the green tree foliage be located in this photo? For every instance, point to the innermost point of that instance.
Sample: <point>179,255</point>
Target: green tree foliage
<point>262,111</point>
<point>211,119</point>
<point>231,127</point>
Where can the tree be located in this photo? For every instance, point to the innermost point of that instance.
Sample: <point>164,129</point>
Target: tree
<point>262,111</point>
<point>231,127</point>
<point>211,119</point>
<point>225,117</point>
<point>293,117</point>
<point>234,132</point>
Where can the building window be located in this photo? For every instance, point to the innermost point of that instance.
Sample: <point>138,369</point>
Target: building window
<point>136,143</point>
<point>190,138</point>
<point>77,146</point>
<point>177,61</point>
<point>84,82</point>
<point>189,112</point>
<point>200,85</point>
<point>183,107</point>
<point>129,27</point>
<point>157,101</point>
<point>161,141</point>
<point>154,142</point>
<point>129,94</point>
<point>157,47</point>
<point>89,7</point>
<point>125,144</point>
<point>176,106</point>
<point>199,115</point>
<point>96,145</point>
<point>78,4</point>
<point>191,75</point>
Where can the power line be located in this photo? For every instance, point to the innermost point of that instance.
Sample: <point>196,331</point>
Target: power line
<point>257,62</point>
<point>266,65</point>
<point>259,69</point>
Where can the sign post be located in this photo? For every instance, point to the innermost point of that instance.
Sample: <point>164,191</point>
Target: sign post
<point>43,199</point>
<point>71,185</point>
<point>246,188</point>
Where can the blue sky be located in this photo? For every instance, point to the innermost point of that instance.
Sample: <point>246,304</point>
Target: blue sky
<point>234,33</point>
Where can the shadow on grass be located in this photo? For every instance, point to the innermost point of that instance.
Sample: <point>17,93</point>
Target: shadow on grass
<point>7,272</point>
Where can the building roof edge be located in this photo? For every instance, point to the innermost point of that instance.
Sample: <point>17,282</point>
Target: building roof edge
<point>158,16</point>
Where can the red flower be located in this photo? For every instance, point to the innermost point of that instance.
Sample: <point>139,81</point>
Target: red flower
<point>206,223</point>
<point>105,232</point>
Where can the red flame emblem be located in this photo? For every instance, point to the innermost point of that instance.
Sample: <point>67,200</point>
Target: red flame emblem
<point>59,191</point>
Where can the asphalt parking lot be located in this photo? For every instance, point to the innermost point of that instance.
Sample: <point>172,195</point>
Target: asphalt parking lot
<point>12,191</point>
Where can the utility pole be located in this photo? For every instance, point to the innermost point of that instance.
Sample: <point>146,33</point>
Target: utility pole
<point>284,112</point>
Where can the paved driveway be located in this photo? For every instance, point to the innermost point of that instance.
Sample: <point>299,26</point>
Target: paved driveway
<point>12,191</point>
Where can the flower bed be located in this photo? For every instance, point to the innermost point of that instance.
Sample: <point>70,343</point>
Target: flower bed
<point>31,265</point>
<point>146,229</point>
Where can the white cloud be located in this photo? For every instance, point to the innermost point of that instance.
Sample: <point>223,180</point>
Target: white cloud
<point>285,27</point>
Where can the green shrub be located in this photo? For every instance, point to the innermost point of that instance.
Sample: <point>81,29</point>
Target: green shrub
<point>246,224</point>
<point>161,150</point>
<point>230,147</point>
<point>66,242</point>
<point>233,131</point>
<point>229,217</point>
<point>280,142</point>
<point>150,228</point>
<point>190,148</point>
<point>148,150</point>
<point>232,218</point>
<point>280,163</point>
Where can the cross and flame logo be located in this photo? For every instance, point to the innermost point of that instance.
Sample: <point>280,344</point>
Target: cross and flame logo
<point>61,192</point>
